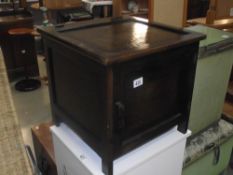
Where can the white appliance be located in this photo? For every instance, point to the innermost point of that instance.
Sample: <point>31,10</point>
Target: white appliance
<point>89,4</point>
<point>160,156</point>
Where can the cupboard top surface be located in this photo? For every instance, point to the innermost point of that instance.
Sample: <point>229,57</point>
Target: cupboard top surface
<point>213,36</point>
<point>109,41</point>
<point>216,40</point>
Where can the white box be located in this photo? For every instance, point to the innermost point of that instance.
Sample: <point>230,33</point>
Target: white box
<point>160,156</point>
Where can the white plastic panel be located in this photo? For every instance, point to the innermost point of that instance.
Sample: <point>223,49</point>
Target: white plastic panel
<point>163,155</point>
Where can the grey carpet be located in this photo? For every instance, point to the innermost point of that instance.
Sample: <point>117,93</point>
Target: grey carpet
<point>13,158</point>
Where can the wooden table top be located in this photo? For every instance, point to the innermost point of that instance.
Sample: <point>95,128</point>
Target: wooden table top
<point>21,31</point>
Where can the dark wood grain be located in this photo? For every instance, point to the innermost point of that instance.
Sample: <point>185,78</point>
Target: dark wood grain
<point>110,41</point>
<point>13,61</point>
<point>20,31</point>
<point>91,70</point>
<point>44,150</point>
<point>228,110</point>
<point>197,8</point>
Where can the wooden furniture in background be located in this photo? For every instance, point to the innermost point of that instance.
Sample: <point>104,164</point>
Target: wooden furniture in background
<point>98,8</point>
<point>23,3</point>
<point>228,110</point>
<point>170,12</point>
<point>24,49</point>
<point>218,15</point>
<point>116,8</point>
<point>219,9</point>
<point>44,151</point>
<point>60,4</point>
<point>197,8</point>
<point>185,13</point>
<point>211,13</point>
<point>120,8</point>
<point>223,9</point>
<point>218,24</point>
<point>54,6</point>
<point>13,61</point>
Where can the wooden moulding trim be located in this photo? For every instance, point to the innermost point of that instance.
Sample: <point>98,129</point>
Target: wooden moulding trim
<point>213,4</point>
<point>151,10</point>
<point>151,4</point>
<point>185,12</point>
<point>117,8</point>
<point>211,13</point>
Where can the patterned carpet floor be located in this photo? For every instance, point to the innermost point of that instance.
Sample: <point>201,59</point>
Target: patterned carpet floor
<point>13,158</point>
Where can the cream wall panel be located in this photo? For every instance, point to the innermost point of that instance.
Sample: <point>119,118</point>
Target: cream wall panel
<point>169,12</point>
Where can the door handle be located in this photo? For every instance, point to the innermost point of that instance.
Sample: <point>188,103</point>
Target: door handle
<point>216,155</point>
